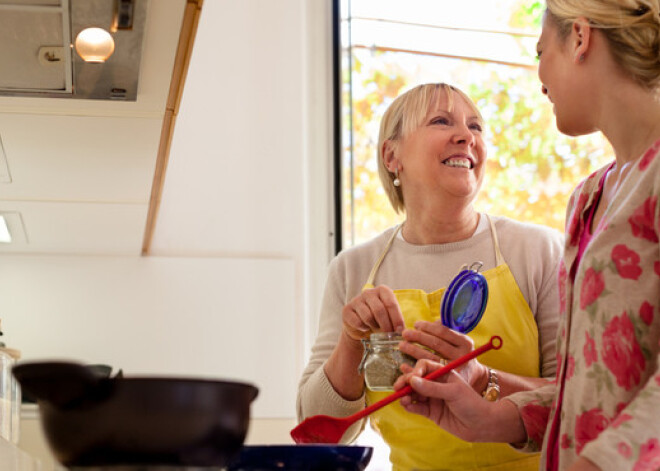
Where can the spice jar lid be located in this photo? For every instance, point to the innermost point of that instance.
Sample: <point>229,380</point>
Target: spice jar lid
<point>464,302</point>
<point>385,337</point>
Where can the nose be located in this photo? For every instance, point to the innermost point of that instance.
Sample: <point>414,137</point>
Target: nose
<point>464,135</point>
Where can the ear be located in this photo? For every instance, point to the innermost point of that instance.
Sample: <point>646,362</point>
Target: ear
<point>581,39</point>
<point>389,159</point>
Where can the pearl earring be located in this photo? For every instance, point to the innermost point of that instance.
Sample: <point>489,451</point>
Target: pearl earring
<point>396,182</point>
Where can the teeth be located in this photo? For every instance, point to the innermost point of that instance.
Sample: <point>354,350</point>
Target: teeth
<point>457,163</point>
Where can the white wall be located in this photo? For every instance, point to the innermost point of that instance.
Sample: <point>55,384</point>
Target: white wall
<point>250,169</point>
<point>158,315</point>
<point>242,241</point>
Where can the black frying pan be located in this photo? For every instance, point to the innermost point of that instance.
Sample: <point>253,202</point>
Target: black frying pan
<point>90,420</point>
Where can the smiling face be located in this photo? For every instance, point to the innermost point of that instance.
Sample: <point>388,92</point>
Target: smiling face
<point>564,79</point>
<point>445,156</point>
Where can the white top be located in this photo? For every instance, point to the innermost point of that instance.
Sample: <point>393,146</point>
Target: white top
<point>531,251</point>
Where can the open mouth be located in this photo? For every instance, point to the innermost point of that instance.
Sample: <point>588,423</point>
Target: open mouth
<point>459,162</point>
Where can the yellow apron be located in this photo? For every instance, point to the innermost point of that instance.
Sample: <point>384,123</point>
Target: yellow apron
<point>418,443</point>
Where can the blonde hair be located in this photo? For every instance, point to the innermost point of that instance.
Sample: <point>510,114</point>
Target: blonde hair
<point>632,29</point>
<point>407,113</point>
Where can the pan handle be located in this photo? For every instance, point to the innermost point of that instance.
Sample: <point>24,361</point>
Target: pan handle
<point>60,384</point>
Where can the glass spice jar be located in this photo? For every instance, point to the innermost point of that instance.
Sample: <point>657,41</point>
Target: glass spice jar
<point>382,359</point>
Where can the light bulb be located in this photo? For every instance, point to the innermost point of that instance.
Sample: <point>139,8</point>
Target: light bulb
<point>94,45</point>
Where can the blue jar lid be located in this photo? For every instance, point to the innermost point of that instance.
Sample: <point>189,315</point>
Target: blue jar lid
<point>464,302</point>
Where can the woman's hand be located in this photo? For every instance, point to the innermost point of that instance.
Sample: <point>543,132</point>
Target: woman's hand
<point>373,310</point>
<point>453,405</point>
<point>447,345</point>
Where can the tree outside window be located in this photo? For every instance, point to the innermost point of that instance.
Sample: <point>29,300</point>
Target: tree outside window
<point>532,168</point>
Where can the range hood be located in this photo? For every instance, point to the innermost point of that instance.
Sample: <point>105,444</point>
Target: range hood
<point>38,57</point>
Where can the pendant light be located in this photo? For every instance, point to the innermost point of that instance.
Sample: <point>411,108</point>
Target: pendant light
<point>94,45</point>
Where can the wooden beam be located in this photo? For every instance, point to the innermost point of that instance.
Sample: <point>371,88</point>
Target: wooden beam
<point>179,72</point>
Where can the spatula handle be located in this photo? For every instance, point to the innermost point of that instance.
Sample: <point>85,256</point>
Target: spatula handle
<point>495,342</point>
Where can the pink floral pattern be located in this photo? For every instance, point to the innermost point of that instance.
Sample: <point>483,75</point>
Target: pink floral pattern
<point>589,350</point>
<point>624,449</point>
<point>535,418</point>
<point>610,335</point>
<point>570,367</point>
<point>642,221</point>
<point>576,218</point>
<point>646,313</point>
<point>649,156</point>
<point>626,261</point>
<point>621,418</point>
<point>649,456</point>
<point>562,276</point>
<point>621,352</point>
<point>588,426</point>
<point>592,286</point>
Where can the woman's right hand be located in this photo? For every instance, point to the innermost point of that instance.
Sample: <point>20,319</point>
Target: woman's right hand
<point>451,403</point>
<point>373,310</point>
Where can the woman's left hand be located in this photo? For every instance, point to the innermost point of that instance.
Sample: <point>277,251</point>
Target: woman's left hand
<point>447,345</point>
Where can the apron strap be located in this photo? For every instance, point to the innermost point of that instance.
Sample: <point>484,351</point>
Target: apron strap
<point>499,258</point>
<point>372,275</point>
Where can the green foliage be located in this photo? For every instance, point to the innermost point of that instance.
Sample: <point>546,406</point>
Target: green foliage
<point>527,15</point>
<point>531,169</point>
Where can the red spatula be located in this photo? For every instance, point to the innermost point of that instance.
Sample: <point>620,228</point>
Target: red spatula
<point>326,429</point>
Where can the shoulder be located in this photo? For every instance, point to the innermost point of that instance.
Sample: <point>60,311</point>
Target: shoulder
<point>510,230</point>
<point>365,253</point>
<point>529,248</point>
<point>349,270</point>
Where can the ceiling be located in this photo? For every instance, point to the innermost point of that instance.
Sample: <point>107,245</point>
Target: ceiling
<point>36,37</point>
<point>76,176</point>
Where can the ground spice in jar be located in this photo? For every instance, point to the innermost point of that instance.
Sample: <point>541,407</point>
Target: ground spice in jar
<point>382,360</point>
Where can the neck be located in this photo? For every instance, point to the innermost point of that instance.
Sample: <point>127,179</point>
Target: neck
<point>631,122</point>
<point>436,229</point>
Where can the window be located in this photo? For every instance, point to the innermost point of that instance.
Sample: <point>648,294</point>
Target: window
<point>488,49</point>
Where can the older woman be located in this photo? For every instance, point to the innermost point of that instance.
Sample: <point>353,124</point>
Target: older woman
<point>600,67</point>
<point>432,159</point>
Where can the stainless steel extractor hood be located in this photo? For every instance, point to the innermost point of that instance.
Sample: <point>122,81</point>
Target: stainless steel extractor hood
<point>37,56</point>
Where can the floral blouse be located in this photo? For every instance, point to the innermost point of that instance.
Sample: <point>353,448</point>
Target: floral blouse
<point>605,402</point>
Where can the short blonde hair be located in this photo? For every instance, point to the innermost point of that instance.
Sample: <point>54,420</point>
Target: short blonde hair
<point>632,29</point>
<point>405,115</point>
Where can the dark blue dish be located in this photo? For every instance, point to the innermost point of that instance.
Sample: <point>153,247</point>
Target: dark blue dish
<point>302,458</point>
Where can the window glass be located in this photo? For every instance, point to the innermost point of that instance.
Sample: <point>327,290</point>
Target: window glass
<point>487,48</point>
